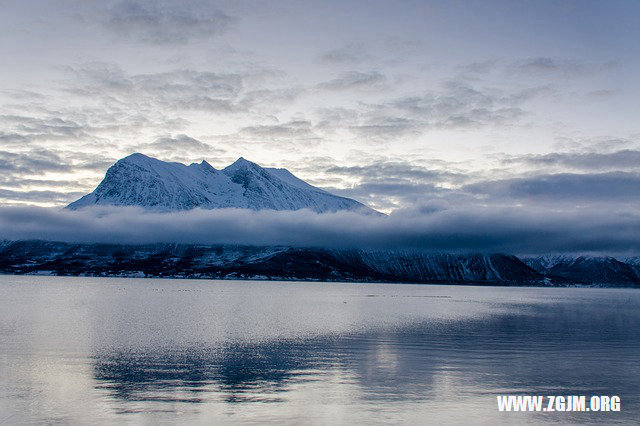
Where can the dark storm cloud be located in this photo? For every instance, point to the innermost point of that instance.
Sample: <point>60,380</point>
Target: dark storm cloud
<point>520,231</point>
<point>167,22</point>
<point>619,160</point>
<point>356,80</point>
<point>563,187</point>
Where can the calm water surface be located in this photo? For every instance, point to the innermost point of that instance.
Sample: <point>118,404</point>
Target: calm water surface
<point>130,351</point>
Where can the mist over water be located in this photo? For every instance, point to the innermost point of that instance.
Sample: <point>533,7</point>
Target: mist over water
<point>79,350</point>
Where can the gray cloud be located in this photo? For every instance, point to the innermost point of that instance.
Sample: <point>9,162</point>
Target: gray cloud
<point>183,90</point>
<point>46,176</point>
<point>181,147</point>
<point>31,128</point>
<point>11,138</point>
<point>180,144</point>
<point>268,98</point>
<point>595,144</point>
<point>457,105</point>
<point>37,196</point>
<point>356,80</point>
<point>482,67</point>
<point>390,185</point>
<point>563,187</point>
<point>34,162</point>
<point>591,161</point>
<point>392,194</point>
<point>167,22</point>
<point>294,129</point>
<point>602,94</point>
<point>37,160</point>
<point>555,67</point>
<point>292,136</point>
<point>82,136</point>
<point>17,182</point>
<point>349,54</point>
<point>541,66</point>
<point>385,170</point>
<point>518,231</point>
<point>388,128</point>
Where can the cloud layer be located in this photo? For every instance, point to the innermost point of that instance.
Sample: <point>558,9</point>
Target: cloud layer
<point>166,22</point>
<point>514,231</point>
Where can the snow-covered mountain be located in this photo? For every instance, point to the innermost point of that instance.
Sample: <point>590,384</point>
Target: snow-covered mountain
<point>138,180</point>
<point>585,269</point>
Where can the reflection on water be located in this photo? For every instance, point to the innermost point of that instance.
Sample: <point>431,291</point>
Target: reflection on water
<point>106,350</point>
<point>242,372</point>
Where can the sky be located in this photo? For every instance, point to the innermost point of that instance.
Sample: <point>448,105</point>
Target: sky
<point>405,105</point>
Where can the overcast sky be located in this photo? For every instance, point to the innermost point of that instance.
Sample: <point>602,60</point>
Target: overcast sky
<point>395,103</point>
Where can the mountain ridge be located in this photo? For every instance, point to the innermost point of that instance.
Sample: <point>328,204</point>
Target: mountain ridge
<point>140,180</point>
<point>262,262</point>
<point>586,269</point>
<point>165,260</point>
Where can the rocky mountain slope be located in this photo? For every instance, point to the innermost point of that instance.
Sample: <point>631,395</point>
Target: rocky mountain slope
<point>586,269</point>
<point>289,263</point>
<point>286,263</point>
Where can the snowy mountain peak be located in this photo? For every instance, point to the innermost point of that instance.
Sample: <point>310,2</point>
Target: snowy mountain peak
<point>136,157</point>
<point>139,180</point>
<point>242,164</point>
<point>205,166</point>
<point>152,164</point>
